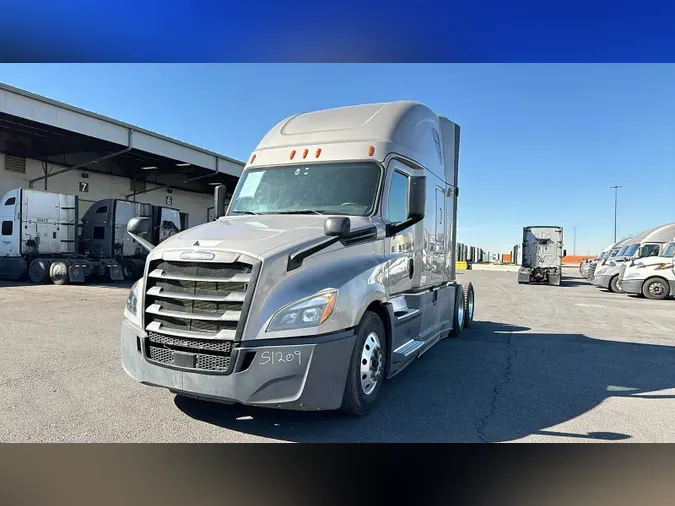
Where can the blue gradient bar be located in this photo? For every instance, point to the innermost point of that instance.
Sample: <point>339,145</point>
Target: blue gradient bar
<point>394,31</point>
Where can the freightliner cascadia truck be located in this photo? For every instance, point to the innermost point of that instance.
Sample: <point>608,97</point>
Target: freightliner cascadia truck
<point>331,270</point>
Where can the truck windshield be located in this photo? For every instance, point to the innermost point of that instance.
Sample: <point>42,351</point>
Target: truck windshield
<point>335,188</point>
<point>669,250</point>
<point>622,251</point>
<point>630,251</point>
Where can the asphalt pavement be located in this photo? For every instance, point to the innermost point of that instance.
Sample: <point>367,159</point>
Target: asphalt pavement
<point>550,364</point>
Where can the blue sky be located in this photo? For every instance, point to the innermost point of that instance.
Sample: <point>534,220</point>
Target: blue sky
<point>541,144</point>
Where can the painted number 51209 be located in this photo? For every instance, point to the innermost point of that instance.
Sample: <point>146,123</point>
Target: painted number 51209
<point>277,357</point>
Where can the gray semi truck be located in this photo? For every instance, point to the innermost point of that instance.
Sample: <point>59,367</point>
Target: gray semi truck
<point>42,238</point>
<point>332,269</point>
<point>542,251</point>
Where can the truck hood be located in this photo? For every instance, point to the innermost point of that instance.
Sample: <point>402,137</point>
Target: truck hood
<point>253,235</point>
<point>652,261</point>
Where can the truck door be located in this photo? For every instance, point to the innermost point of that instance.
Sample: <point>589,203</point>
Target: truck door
<point>9,224</point>
<point>400,249</point>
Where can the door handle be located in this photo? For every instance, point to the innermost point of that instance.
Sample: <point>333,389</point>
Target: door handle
<point>411,268</point>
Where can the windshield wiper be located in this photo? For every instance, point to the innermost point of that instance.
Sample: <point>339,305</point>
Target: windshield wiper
<point>246,212</point>
<point>300,211</point>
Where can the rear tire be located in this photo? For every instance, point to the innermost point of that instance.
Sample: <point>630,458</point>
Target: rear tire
<point>366,368</point>
<point>458,313</point>
<point>613,286</point>
<point>38,270</point>
<point>469,300</point>
<point>656,289</point>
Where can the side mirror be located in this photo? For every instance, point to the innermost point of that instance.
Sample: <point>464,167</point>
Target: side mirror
<point>138,225</point>
<point>417,198</point>
<point>219,201</point>
<point>337,226</point>
<point>564,252</point>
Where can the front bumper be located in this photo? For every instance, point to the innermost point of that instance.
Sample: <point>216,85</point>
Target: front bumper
<point>602,281</point>
<point>297,374</point>
<point>632,286</point>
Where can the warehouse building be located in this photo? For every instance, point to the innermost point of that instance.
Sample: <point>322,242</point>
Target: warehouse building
<point>48,145</point>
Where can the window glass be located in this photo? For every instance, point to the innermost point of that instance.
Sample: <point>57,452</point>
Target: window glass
<point>99,232</point>
<point>7,227</point>
<point>10,201</point>
<point>102,209</point>
<point>398,198</point>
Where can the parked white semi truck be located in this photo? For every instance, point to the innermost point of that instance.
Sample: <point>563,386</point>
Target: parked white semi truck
<point>40,237</point>
<point>311,288</point>
<point>645,244</point>
<point>542,255</point>
<point>652,277</point>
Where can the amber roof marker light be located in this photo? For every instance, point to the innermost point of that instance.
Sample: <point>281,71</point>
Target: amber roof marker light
<point>371,150</point>
<point>292,155</point>
<point>304,153</point>
<point>252,159</point>
<point>318,152</point>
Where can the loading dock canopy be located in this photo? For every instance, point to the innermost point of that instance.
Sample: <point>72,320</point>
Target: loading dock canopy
<point>36,127</point>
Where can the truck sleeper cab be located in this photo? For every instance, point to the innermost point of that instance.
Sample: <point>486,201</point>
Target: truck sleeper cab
<point>645,244</point>
<point>332,269</point>
<point>652,277</point>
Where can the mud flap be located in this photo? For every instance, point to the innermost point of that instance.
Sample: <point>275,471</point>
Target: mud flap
<point>115,272</point>
<point>76,273</point>
<point>523,276</point>
<point>554,279</point>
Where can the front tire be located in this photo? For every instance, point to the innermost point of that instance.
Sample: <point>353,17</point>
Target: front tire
<point>366,367</point>
<point>656,289</point>
<point>613,284</point>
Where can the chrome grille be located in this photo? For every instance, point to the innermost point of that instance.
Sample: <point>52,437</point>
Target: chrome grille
<point>197,299</point>
<point>622,270</point>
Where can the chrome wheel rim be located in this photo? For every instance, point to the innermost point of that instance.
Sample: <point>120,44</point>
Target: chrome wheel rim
<point>656,289</point>
<point>460,312</point>
<point>471,307</point>
<point>372,363</point>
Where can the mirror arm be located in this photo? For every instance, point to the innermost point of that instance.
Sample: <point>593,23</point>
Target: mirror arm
<point>147,245</point>
<point>394,228</point>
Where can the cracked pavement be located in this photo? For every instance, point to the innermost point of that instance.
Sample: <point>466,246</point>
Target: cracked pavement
<point>548,364</point>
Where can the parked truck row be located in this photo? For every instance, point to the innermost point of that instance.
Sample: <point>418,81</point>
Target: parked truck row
<point>475,255</point>
<point>43,239</point>
<point>642,265</point>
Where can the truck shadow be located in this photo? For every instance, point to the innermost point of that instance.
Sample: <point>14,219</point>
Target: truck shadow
<point>495,383</point>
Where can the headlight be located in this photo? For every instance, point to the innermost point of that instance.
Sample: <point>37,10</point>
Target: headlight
<point>131,307</point>
<point>309,312</point>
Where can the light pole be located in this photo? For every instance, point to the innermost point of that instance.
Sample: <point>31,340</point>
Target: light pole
<point>616,193</point>
<point>575,241</point>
